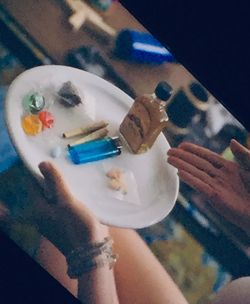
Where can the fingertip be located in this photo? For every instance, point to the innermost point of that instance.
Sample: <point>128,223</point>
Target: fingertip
<point>169,159</point>
<point>236,147</point>
<point>181,145</point>
<point>42,164</point>
<point>233,143</point>
<point>54,180</point>
<point>172,151</point>
<point>50,172</point>
<point>180,173</point>
<point>184,145</point>
<point>44,167</point>
<point>169,151</point>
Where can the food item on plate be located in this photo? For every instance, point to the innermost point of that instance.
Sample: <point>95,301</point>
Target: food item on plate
<point>85,130</point>
<point>114,173</point>
<point>68,95</point>
<point>116,180</point>
<point>114,184</point>
<point>34,103</point>
<point>47,119</point>
<point>101,133</point>
<point>56,152</point>
<point>31,124</point>
<point>146,119</point>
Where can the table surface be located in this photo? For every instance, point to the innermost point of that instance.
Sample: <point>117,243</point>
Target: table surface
<point>46,22</point>
<point>53,32</point>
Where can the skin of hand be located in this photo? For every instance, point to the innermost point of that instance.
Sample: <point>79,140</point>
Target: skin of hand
<point>226,184</point>
<point>63,220</point>
<point>66,222</point>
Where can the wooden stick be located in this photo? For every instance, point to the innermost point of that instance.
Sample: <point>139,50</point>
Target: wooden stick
<point>101,133</point>
<point>85,130</point>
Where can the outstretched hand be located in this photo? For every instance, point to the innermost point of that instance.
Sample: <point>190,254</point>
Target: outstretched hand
<point>225,183</point>
<point>66,222</point>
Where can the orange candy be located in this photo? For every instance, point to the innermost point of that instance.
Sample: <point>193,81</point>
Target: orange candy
<point>46,118</point>
<point>31,124</point>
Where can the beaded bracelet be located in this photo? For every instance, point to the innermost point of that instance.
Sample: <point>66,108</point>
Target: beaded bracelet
<point>92,256</point>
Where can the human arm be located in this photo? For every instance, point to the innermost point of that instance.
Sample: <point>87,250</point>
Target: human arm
<point>226,184</point>
<point>67,223</point>
<point>237,291</point>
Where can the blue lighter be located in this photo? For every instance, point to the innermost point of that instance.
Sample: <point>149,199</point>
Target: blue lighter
<point>95,150</point>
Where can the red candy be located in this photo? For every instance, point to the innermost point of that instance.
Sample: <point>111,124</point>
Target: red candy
<point>47,119</point>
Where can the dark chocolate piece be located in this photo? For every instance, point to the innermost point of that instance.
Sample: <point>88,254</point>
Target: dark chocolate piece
<point>68,95</point>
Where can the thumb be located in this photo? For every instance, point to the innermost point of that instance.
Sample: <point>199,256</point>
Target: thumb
<point>241,153</point>
<point>55,186</point>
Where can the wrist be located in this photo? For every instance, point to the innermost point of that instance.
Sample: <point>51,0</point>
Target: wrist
<point>87,258</point>
<point>95,233</point>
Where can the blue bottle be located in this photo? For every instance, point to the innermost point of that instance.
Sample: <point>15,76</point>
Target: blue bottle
<point>95,150</point>
<point>141,47</point>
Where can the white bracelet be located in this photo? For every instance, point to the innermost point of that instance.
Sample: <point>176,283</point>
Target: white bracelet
<point>90,257</point>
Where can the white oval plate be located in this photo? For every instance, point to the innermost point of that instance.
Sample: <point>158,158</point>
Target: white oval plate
<point>156,182</point>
